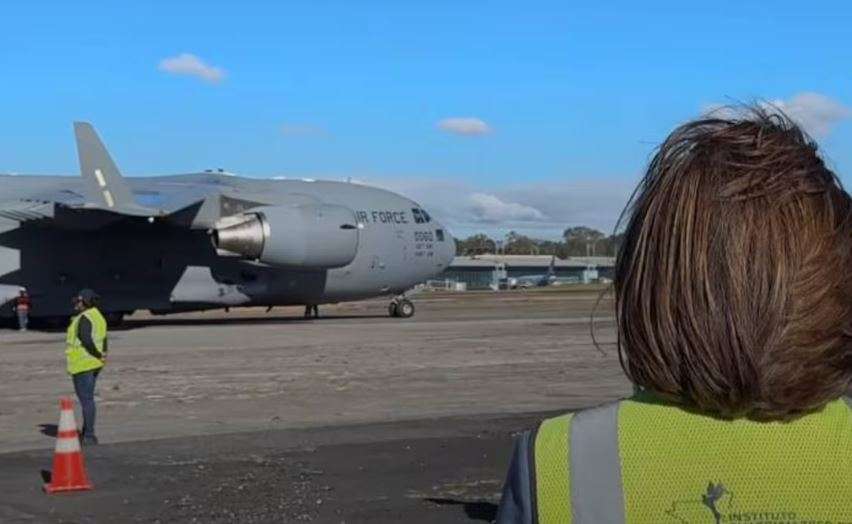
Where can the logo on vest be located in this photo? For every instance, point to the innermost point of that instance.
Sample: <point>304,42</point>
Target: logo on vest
<point>714,494</point>
<point>717,505</point>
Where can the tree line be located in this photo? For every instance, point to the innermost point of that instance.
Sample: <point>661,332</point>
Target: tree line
<point>579,241</point>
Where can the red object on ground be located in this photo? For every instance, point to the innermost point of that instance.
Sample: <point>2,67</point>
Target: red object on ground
<point>69,472</point>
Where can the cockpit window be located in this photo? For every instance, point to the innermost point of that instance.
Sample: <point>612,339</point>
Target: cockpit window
<point>420,216</point>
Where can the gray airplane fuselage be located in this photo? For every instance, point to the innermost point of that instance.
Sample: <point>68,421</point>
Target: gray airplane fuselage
<point>169,263</point>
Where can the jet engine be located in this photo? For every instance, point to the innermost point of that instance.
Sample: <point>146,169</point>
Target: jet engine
<point>307,236</point>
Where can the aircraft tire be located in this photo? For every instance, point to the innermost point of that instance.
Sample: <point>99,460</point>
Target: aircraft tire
<point>405,309</point>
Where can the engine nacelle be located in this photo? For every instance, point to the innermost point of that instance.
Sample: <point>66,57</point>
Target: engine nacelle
<point>307,236</point>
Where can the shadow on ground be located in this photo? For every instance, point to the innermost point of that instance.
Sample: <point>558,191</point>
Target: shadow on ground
<point>133,324</point>
<point>48,430</point>
<point>484,511</point>
<point>177,322</point>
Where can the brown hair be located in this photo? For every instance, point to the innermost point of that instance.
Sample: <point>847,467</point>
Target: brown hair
<point>732,287</point>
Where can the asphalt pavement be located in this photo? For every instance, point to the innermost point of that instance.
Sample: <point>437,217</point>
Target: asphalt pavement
<point>354,417</point>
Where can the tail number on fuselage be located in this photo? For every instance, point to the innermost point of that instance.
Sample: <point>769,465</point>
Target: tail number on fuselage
<point>424,244</point>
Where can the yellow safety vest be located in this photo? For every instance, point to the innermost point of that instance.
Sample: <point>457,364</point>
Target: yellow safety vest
<point>79,360</point>
<point>641,460</point>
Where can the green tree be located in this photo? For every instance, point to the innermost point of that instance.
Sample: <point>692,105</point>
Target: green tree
<point>476,245</point>
<point>583,241</point>
<point>612,244</point>
<point>577,241</point>
<point>549,247</point>
<point>517,244</point>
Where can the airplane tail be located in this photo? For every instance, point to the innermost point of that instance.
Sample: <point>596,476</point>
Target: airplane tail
<point>104,184</point>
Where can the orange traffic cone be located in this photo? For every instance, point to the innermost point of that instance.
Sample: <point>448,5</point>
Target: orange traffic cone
<point>69,473</point>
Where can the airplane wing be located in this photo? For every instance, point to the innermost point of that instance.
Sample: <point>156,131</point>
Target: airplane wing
<point>24,211</point>
<point>103,197</point>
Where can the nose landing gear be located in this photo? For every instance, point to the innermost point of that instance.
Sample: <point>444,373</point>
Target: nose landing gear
<point>401,307</point>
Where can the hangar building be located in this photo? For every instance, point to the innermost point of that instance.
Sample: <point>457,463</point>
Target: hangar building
<point>486,271</point>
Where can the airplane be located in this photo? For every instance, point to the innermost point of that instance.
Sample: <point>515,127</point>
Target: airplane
<point>527,281</point>
<point>207,240</point>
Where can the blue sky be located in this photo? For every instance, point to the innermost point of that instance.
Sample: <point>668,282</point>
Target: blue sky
<point>556,107</point>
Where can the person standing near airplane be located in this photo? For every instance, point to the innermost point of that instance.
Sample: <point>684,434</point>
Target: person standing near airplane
<point>22,308</point>
<point>734,313</point>
<point>86,352</point>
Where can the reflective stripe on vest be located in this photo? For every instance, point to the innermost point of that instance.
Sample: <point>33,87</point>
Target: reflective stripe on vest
<point>586,486</point>
<point>597,494</point>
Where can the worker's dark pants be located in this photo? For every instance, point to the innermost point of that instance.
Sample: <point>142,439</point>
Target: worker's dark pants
<point>23,320</point>
<point>84,386</point>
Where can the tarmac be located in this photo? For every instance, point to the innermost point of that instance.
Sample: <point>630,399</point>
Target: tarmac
<point>353,417</point>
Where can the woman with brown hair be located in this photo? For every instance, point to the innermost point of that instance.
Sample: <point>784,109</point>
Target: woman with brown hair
<point>734,315</point>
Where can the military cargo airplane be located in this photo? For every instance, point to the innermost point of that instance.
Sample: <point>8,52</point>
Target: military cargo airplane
<point>546,279</point>
<point>207,240</point>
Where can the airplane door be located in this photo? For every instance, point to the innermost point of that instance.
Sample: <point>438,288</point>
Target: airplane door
<point>400,236</point>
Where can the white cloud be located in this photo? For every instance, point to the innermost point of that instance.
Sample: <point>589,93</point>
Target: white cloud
<point>190,65</point>
<point>540,209</point>
<point>490,209</point>
<point>467,126</point>
<point>816,113</point>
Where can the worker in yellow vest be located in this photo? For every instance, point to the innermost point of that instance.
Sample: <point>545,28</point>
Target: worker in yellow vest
<point>86,352</point>
<point>733,298</point>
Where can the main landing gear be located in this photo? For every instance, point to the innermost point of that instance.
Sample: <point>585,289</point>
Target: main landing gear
<point>312,311</point>
<point>114,319</point>
<point>401,307</point>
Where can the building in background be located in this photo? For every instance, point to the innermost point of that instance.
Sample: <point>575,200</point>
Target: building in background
<point>495,271</point>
